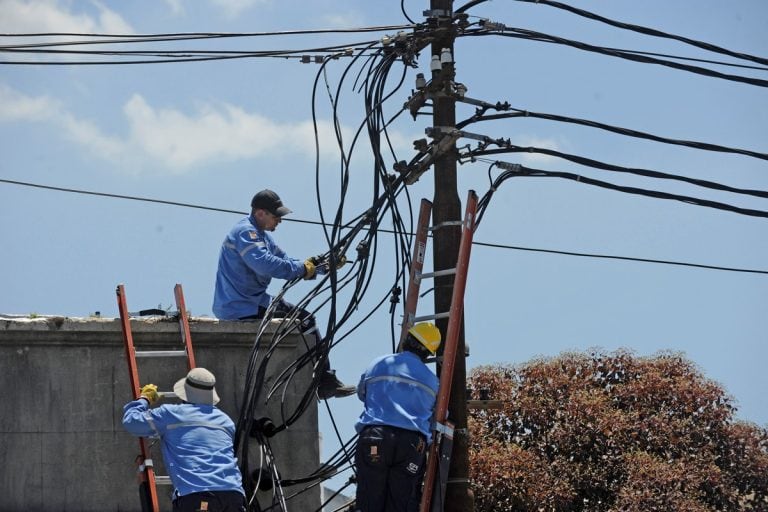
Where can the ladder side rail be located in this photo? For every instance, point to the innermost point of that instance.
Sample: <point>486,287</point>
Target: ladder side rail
<point>417,264</point>
<point>133,372</point>
<point>457,310</point>
<point>450,348</point>
<point>186,334</point>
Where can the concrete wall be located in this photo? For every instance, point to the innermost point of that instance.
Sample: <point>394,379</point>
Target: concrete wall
<point>65,381</point>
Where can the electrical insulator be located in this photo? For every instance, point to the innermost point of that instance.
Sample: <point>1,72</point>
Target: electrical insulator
<point>421,82</point>
<point>435,64</point>
<point>461,90</point>
<point>446,57</point>
<point>386,40</point>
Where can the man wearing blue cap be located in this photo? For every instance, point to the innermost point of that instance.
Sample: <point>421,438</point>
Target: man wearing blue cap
<point>248,261</point>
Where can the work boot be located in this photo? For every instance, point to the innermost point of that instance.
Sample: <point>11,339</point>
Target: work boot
<point>330,386</point>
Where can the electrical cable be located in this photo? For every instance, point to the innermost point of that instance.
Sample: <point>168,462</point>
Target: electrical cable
<point>650,31</point>
<point>284,54</point>
<point>507,147</point>
<point>360,274</point>
<point>521,170</point>
<point>627,55</point>
<point>340,293</point>
<point>187,36</point>
<point>475,242</point>
<point>517,113</point>
<point>405,14</point>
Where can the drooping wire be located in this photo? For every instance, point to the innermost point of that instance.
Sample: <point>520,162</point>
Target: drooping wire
<point>517,170</point>
<point>409,233</point>
<point>182,36</point>
<point>651,31</point>
<point>405,14</point>
<point>360,274</point>
<point>596,164</point>
<point>623,54</point>
<point>519,113</point>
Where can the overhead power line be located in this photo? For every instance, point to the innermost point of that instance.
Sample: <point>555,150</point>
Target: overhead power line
<point>187,36</point>
<point>177,56</point>
<point>517,170</point>
<point>501,30</point>
<point>507,147</point>
<point>518,113</point>
<point>651,31</point>
<point>301,221</point>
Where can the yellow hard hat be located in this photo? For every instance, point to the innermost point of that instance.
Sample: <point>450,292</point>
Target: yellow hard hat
<point>427,334</point>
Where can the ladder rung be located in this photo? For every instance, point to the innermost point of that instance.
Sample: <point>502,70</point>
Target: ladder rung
<point>163,480</point>
<point>168,394</point>
<point>430,317</point>
<point>446,272</point>
<point>161,353</point>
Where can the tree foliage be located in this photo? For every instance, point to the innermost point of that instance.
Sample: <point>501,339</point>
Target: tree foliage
<point>612,432</point>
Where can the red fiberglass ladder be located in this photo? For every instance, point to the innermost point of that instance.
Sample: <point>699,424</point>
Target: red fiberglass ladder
<point>148,479</point>
<point>439,456</point>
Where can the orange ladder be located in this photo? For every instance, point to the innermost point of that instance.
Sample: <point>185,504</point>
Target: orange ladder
<point>149,480</point>
<point>442,435</point>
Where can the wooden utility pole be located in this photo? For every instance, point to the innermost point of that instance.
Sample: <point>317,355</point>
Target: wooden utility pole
<point>446,216</point>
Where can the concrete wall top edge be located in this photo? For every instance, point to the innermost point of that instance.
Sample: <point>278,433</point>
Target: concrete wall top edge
<point>108,330</point>
<point>149,323</point>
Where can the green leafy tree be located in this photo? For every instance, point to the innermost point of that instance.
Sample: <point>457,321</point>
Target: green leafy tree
<point>612,432</point>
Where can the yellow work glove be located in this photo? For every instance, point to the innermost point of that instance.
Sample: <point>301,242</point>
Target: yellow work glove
<point>149,391</point>
<point>309,268</point>
<point>322,268</point>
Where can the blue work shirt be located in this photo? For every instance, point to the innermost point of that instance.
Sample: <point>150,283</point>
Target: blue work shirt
<point>248,261</point>
<point>197,444</point>
<point>398,390</point>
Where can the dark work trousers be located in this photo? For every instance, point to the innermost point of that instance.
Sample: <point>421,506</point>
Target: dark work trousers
<point>284,309</point>
<point>210,501</point>
<point>389,464</point>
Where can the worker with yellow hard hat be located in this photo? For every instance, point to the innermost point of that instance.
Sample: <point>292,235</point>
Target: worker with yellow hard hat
<point>399,392</point>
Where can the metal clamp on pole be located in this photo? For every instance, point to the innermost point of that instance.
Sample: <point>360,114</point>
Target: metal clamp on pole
<point>444,429</point>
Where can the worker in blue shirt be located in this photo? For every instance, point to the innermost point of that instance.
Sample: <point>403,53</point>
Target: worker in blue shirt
<point>197,442</point>
<point>399,392</point>
<point>248,260</point>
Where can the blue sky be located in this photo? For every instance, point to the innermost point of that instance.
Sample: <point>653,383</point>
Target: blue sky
<point>213,133</point>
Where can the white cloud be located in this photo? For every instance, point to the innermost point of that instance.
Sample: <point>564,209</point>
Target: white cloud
<point>533,158</point>
<point>166,138</point>
<point>347,20</point>
<point>22,16</point>
<point>87,134</point>
<point>232,8</point>
<point>18,107</point>
<point>176,6</point>
<point>15,106</point>
<point>181,141</point>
